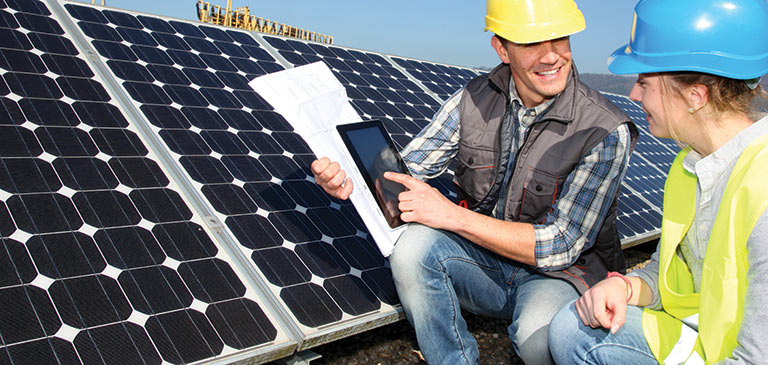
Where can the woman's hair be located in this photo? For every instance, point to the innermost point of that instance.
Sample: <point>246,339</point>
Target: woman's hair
<point>724,94</point>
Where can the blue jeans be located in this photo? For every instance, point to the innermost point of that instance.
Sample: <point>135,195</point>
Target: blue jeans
<point>437,272</point>
<point>571,342</point>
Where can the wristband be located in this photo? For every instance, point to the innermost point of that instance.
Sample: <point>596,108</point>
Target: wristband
<point>614,274</point>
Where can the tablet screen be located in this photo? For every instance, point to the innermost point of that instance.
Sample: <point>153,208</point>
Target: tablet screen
<point>374,153</point>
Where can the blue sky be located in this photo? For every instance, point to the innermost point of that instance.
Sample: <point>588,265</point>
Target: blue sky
<point>435,30</point>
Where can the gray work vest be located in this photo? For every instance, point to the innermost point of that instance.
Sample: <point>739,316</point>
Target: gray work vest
<point>577,120</point>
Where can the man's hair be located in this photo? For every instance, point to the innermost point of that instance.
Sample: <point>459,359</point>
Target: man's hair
<point>502,39</point>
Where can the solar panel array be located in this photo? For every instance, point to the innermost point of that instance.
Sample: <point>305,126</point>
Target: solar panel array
<point>640,198</point>
<point>103,259</point>
<point>156,209</point>
<point>190,83</point>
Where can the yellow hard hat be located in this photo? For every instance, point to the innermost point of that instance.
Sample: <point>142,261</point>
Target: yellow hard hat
<point>530,21</point>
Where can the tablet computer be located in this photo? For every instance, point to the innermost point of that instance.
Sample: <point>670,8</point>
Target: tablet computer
<point>374,153</point>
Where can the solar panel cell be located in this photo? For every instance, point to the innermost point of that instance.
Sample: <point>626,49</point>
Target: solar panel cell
<point>138,172</point>
<point>33,7</point>
<point>189,96</point>
<point>82,174</point>
<point>281,266</point>
<point>254,231</point>
<point>115,51</point>
<point>118,142</point>
<point>184,241</point>
<point>87,14</point>
<point>100,31</point>
<point>229,199</point>
<point>238,334</point>
<point>29,314</point>
<point>296,297</point>
<point>128,247</point>
<point>98,114</point>
<point>137,37</point>
<point>27,176</point>
<point>206,170</point>
<point>151,55</point>
<point>67,66</point>
<point>217,34</point>
<point>183,336</point>
<point>270,196</point>
<point>103,209</point>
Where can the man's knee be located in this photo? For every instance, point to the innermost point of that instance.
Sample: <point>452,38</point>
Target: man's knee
<point>411,253</point>
<point>539,303</point>
<point>529,338</point>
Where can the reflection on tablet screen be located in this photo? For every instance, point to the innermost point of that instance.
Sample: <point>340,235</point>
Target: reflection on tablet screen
<point>374,153</point>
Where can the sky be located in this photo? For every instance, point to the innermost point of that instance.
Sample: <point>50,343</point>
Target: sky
<point>442,31</point>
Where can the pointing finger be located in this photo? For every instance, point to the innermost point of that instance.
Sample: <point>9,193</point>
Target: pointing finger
<point>410,182</point>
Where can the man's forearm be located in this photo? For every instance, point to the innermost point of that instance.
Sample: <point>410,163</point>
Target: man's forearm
<point>424,204</point>
<point>509,239</point>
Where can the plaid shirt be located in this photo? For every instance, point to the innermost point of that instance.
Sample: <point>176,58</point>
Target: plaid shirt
<point>572,226</point>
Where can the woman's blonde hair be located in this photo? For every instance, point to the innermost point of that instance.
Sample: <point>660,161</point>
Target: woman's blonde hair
<point>725,95</point>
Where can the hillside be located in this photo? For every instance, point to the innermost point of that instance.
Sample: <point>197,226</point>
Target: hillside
<point>621,85</point>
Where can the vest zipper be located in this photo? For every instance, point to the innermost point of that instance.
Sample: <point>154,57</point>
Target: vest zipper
<point>505,189</point>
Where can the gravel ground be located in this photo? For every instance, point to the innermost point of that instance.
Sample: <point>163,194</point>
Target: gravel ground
<point>396,343</point>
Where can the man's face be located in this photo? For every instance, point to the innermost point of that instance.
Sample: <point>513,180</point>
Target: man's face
<point>540,70</point>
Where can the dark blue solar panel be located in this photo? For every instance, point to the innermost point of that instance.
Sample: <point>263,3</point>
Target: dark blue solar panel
<point>641,198</point>
<point>249,165</point>
<point>441,79</point>
<point>103,260</point>
<point>367,77</point>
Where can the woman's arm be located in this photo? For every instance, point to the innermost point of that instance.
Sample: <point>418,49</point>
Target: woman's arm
<point>605,304</point>
<point>753,335</point>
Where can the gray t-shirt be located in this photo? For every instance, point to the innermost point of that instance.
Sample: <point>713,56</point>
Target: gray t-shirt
<point>713,172</point>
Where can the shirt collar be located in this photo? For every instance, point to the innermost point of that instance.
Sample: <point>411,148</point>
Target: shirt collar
<point>515,101</point>
<point>722,157</point>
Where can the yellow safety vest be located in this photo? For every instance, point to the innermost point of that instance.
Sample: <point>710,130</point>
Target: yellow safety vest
<point>719,307</point>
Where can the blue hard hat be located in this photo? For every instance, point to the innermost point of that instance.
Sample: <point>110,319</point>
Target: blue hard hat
<point>728,38</point>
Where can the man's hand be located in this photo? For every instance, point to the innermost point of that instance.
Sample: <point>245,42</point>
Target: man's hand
<point>330,176</point>
<point>392,214</point>
<point>424,204</point>
<point>604,305</point>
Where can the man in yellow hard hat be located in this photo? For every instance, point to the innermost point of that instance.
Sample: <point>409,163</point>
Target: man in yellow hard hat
<point>539,162</point>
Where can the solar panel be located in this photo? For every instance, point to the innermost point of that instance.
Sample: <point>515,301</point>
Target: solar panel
<point>157,209</point>
<point>443,80</point>
<point>103,259</point>
<point>190,82</point>
<point>641,197</point>
<point>379,88</point>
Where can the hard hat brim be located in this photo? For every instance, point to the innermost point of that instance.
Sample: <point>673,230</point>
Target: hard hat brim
<point>533,35</point>
<point>625,61</point>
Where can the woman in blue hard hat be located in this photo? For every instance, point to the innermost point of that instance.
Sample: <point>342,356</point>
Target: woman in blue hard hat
<point>699,300</point>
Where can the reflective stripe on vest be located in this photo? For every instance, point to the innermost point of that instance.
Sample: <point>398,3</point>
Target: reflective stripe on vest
<point>725,265</point>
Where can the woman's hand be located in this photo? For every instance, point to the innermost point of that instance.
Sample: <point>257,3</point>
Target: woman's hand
<point>604,305</point>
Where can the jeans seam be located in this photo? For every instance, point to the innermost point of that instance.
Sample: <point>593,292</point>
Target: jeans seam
<point>473,262</point>
<point>512,277</point>
<point>627,347</point>
<point>455,314</point>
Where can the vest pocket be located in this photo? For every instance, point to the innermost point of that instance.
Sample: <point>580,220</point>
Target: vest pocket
<point>475,171</point>
<point>540,192</point>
